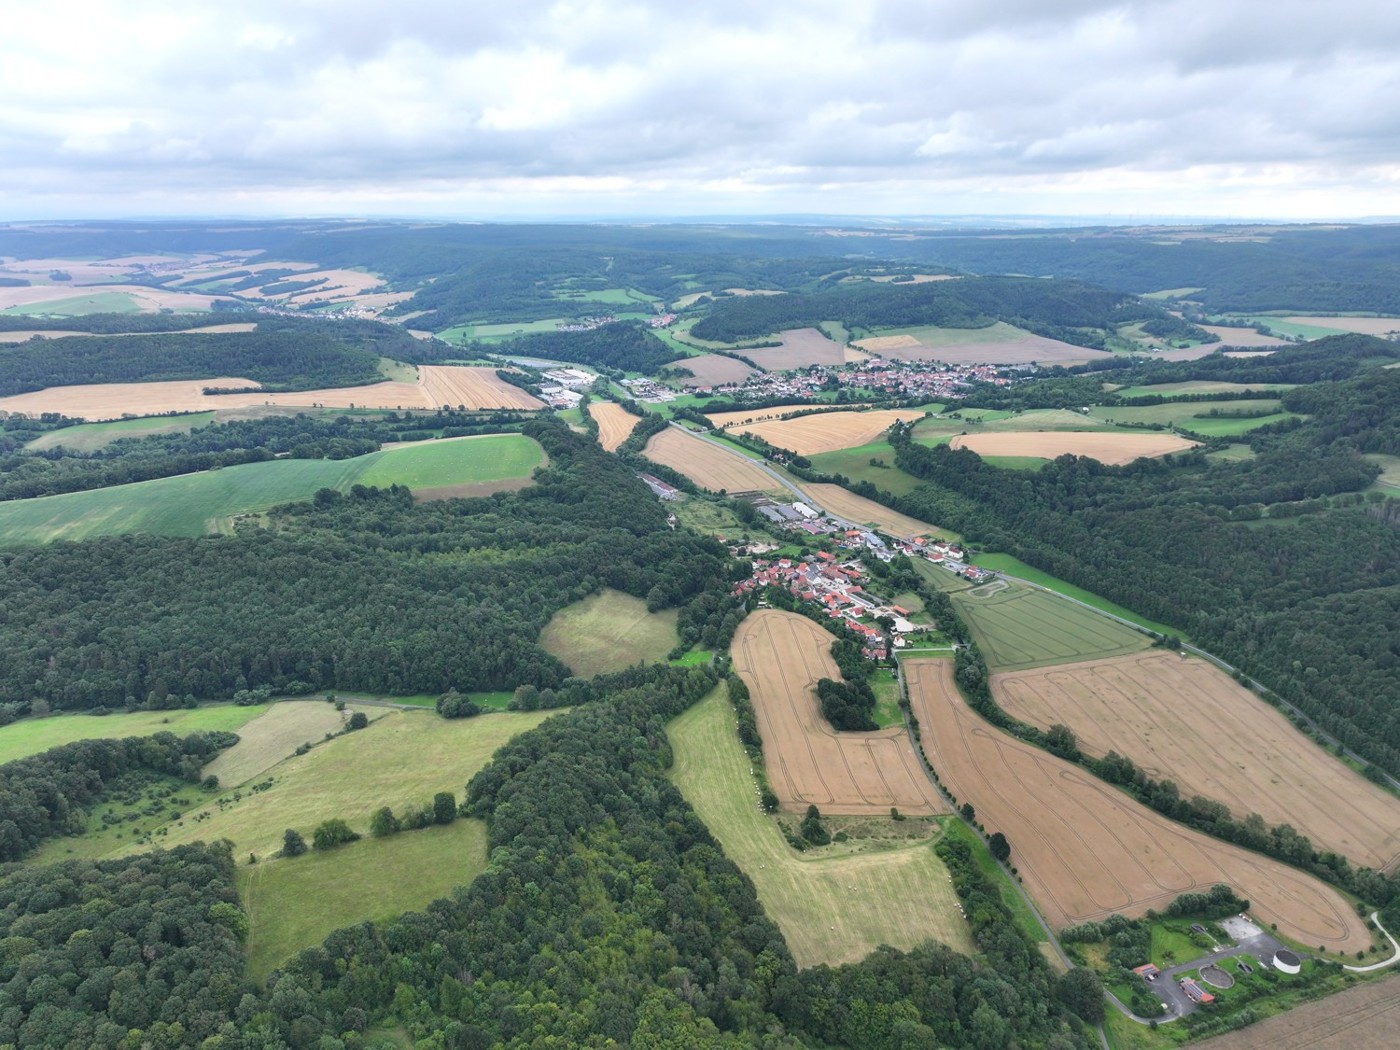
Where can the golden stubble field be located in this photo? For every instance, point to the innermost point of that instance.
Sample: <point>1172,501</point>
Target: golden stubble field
<point>1184,720</point>
<point>846,504</point>
<point>1085,850</point>
<point>828,431</point>
<point>1021,348</point>
<point>615,423</point>
<point>781,656</point>
<point>438,385</point>
<point>1113,448</point>
<point>708,465</point>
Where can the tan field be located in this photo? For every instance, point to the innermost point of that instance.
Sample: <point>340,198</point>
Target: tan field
<point>1085,850</point>
<point>781,656</point>
<point>1381,326</point>
<point>846,504</point>
<point>438,385</point>
<point>1187,721</point>
<point>1110,447</point>
<point>829,431</point>
<point>213,329</point>
<point>708,465</point>
<point>147,299</point>
<point>800,347</point>
<point>757,415</point>
<point>1020,348</point>
<point>1358,1018</point>
<point>615,423</point>
<point>276,734</point>
<point>1243,336</point>
<point>712,370</point>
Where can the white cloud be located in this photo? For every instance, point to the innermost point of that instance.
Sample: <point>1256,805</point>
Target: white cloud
<point>1280,108</point>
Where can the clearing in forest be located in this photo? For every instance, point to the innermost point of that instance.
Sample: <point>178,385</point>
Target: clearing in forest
<point>609,631</point>
<point>846,504</point>
<point>29,736</point>
<point>1017,627</point>
<point>1085,850</point>
<point>1113,448</point>
<point>781,656</point>
<point>800,347</point>
<point>615,423</point>
<point>999,344</point>
<point>828,431</point>
<point>276,734</point>
<point>1185,720</point>
<point>836,904</point>
<point>711,370</point>
<point>89,437</point>
<point>709,465</point>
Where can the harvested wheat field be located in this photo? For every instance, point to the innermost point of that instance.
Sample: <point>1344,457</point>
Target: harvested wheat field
<point>800,347</point>
<point>828,431</point>
<point>1112,448</point>
<point>781,656</point>
<point>615,423</point>
<point>1085,850</point>
<point>758,415</point>
<point>1358,1018</point>
<point>1187,721</point>
<point>437,385</point>
<point>846,504</point>
<point>709,465</point>
<point>1381,326</point>
<point>1011,347</point>
<point>711,370</point>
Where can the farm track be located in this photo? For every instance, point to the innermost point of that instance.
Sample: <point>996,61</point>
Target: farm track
<point>781,656</point>
<point>1085,850</point>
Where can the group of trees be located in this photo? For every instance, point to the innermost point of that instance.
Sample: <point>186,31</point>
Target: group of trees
<point>628,346</point>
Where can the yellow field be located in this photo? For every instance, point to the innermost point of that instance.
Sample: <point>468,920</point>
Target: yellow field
<point>829,431</point>
<point>757,415</point>
<point>708,465</point>
<point>1110,447</point>
<point>1085,850</point>
<point>846,504</point>
<point>437,386</point>
<point>834,905</point>
<point>615,423</point>
<point>1187,721</point>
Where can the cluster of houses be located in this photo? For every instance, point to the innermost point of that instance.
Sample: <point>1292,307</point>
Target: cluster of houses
<point>840,587</point>
<point>902,379</point>
<point>587,324</point>
<point>945,555</point>
<point>648,390</point>
<point>661,320</point>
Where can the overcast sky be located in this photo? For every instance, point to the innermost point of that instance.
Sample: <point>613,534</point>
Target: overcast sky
<point>520,108</point>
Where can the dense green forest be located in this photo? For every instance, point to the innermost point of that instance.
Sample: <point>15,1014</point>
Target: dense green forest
<point>622,346</point>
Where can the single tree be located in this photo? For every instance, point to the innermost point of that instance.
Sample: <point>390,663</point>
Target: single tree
<point>444,808</point>
<point>1001,849</point>
<point>293,845</point>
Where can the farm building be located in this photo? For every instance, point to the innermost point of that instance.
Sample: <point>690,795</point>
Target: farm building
<point>1147,972</point>
<point>1195,992</point>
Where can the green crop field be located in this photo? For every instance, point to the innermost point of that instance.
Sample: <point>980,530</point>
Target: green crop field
<point>507,330</point>
<point>29,736</point>
<point>855,464</point>
<point>88,437</point>
<point>835,904</point>
<point>609,631</point>
<point>929,335</point>
<point>295,903</point>
<point>1198,386</point>
<point>399,760</point>
<point>1017,627</point>
<point>1005,563</point>
<point>196,504</point>
<point>82,305</point>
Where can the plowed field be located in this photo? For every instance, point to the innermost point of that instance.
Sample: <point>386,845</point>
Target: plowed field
<point>712,370</point>
<point>1002,344</point>
<point>1357,1019</point>
<point>615,423</point>
<point>1107,447</point>
<point>707,464</point>
<point>800,347</point>
<point>780,656</point>
<point>1085,850</point>
<point>829,431</point>
<point>1187,721</point>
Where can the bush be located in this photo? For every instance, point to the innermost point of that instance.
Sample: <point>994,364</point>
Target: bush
<point>332,833</point>
<point>358,720</point>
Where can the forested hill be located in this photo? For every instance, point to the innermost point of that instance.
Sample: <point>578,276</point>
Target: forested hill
<point>1068,310</point>
<point>281,354</point>
<point>1308,604</point>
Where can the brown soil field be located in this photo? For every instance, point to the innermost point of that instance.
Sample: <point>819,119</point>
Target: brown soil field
<point>615,423</point>
<point>848,505</point>
<point>829,431</point>
<point>1365,325</point>
<point>780,656</point>
<point>800,347</point>
<point>712,370</point>
<point>1232,336</point>
<point>1019,351</point>
<point>437,385</point>
<point>1107,447</point>
<point>1187,721</point>
<point>708,465</point>
<point>1359,1018</point>
<point>1085,850</point>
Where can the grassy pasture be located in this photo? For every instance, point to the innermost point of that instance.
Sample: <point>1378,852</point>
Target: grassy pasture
<point>1194,415</point>
<point>399,760</point>
<point>294,904</point>
<point>855,464</point>
<point>88,437</point>
<point>1389,480</point>
<point>833,905</point>
<point>80,305</point>
<point>1198,386</point>
<point>275,735</point>
<point>123,819</point>
<point>506,330</point>
<point>196,504</point>
<point>609,631</point>
<point>1017,627</point>
<point>29,736</point>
